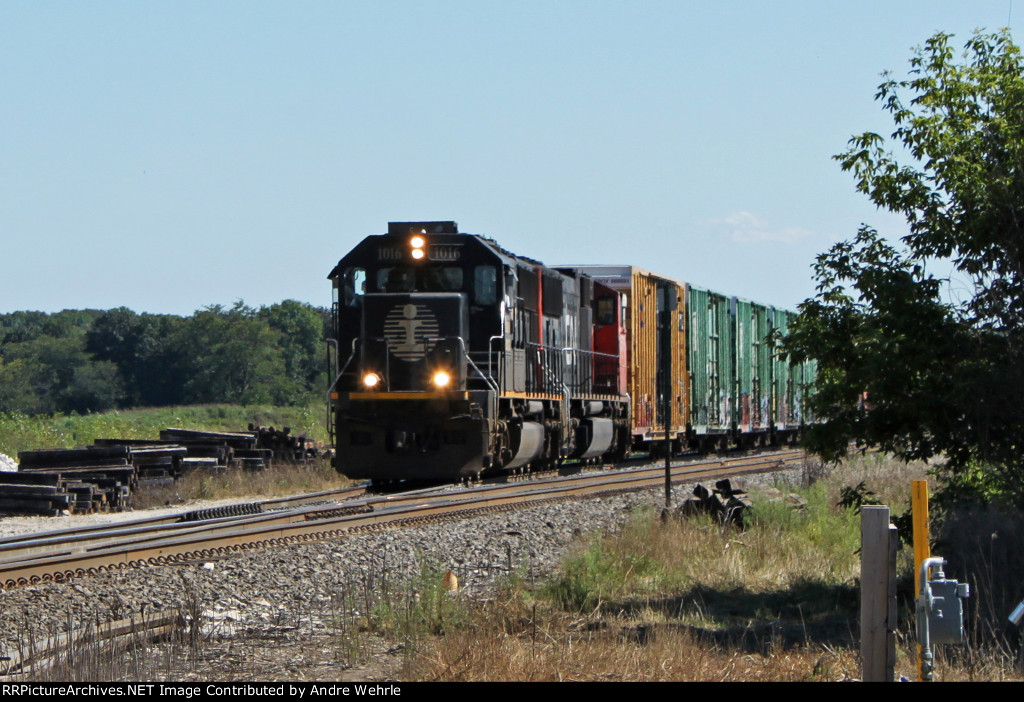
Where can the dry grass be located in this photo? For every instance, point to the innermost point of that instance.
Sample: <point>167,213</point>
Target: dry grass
<point>278,480</point>
<point>689,600</point>
<point>549,646</point>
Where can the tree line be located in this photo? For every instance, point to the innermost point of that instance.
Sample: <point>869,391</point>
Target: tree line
<point>93,360</point>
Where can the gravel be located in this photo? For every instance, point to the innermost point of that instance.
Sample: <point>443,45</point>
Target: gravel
<point>302,583</point>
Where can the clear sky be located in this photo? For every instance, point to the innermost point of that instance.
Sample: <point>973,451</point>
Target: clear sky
<point>166,156</point>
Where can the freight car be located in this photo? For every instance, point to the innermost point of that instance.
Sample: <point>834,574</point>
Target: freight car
<point>455,357</point>
<point>714,358</point>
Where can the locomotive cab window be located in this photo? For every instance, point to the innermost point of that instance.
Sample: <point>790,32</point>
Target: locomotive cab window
<point>392,280</point>
<point>606,310</point>
<point>355,285</point>
<point>446,279</point>
<point>485,285</point>
<point>433,279</point>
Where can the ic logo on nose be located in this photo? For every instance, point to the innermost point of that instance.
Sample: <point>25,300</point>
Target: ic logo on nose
<point>411,331</point>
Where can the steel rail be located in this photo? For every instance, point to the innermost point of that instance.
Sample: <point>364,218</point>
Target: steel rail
<point>73,540</point>
<point>197,541</point>
<point>81,538</point>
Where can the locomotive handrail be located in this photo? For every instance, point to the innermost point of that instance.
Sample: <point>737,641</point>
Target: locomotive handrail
<point>334,383</point>
<point>487,379</point>
<point>352,355</point>
<point>496,355</point>
<point>590,382</point>
<point>551,372</point>
<point>355,342</point>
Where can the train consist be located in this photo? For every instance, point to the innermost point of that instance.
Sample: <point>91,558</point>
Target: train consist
<point>457,358</point>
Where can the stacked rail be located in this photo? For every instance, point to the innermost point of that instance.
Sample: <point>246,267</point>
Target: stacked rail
<point>285,446</point>
<point>70,481</point>
<point>102,477</point>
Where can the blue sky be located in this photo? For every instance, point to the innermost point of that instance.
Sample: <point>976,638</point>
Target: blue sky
<point>166,156</point>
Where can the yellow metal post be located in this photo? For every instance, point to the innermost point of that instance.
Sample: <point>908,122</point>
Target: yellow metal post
<point>922,549</point>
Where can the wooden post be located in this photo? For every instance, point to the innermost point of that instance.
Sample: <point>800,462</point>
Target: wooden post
<point>878,594</point>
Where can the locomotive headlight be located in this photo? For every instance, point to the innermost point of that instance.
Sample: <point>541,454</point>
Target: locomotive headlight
<point>417,243</point>
<point>441,379</point>
<point>371,380</point>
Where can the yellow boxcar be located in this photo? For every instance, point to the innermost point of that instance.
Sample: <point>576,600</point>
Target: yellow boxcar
<point>654,316</point>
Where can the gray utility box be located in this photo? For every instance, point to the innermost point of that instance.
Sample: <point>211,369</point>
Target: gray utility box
<point>946,617</point>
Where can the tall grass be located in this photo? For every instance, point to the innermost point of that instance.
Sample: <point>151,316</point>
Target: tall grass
<point>696,571</point>
<point>280,479</point>
<point>691,600</point>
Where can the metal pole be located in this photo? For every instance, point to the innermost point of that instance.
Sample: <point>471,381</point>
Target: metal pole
<point>668,447</point>
<point>922,549</point>
<point>668,306</point>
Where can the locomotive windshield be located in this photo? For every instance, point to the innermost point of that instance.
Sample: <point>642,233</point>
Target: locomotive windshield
<point>417,279</point>
<point>480,281</point>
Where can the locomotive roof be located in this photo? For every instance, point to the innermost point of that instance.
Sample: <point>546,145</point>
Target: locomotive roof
<point>621,275</point>
<point>401,230</point>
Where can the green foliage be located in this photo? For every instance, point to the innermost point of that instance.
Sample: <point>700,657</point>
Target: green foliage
<point>90,361</point>
<point>908,362</point>
<point>602,570</point>
<point>302,332</point>
<point>139,345</point>
<point>233,357</point>
<point>418,607</point>
<point>856,497</point>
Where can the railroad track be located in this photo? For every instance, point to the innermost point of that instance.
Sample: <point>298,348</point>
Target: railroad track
<point>62,555</point>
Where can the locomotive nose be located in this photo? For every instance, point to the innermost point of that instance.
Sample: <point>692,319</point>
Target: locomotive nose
<point>416,340</point>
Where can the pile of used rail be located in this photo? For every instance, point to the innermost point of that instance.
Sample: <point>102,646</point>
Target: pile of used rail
<point>285,446</point>
<point>102,477</point>
<point>66,481</point>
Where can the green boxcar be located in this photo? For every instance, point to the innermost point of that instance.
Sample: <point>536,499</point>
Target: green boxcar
<point>711,363</point>
<point>784,396</point>
<point>753,361</point>
<point>809,370</point>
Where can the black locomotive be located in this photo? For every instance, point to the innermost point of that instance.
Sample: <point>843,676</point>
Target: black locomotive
<point>456,358</point>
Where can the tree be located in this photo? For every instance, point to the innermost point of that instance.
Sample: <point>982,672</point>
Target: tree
<point>139,346</point>
<point>231,356</point>
<point>301,342</point>
<point>908,361</point>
